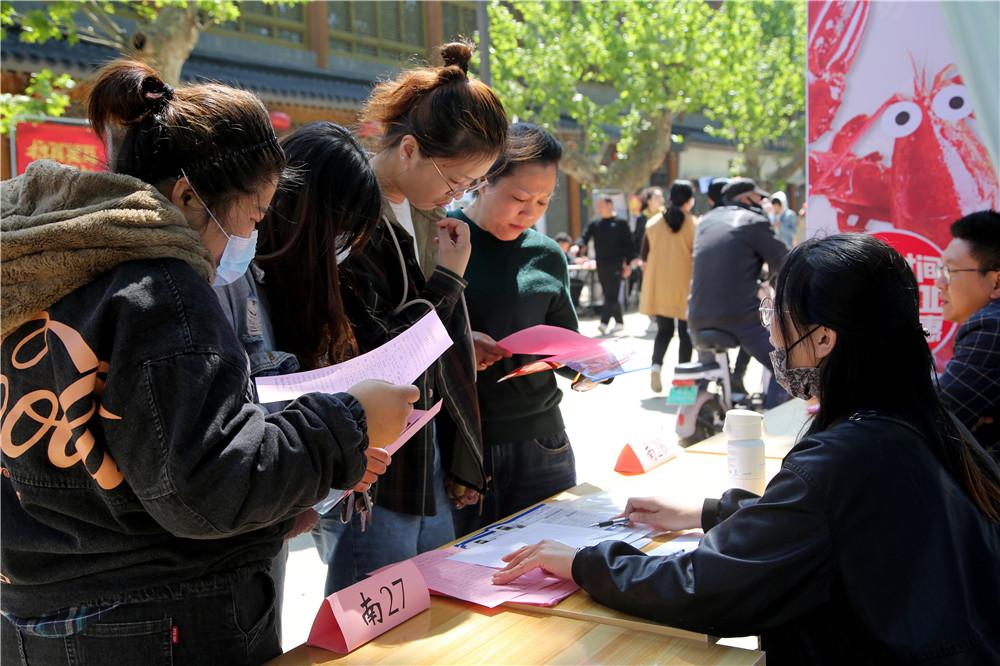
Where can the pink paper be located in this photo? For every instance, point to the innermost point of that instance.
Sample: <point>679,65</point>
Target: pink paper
<point>548,596</point>
<point>418,419</point>
<point>474,583</point>
<point>350,618</point>
<point>545,340</point>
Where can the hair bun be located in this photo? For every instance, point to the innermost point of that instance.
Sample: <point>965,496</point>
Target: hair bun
<point>457,54</point>
<point>156,93</point>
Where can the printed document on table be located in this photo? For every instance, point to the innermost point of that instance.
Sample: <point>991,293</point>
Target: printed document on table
<point>682,544</point>
<point>488,552</point>
<point>400,361</point>
<point>583,512</point>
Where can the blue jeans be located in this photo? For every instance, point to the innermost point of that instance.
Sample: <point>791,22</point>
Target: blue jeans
<point>524,473</point>
<point>351,554</point>
<point>217,620</point>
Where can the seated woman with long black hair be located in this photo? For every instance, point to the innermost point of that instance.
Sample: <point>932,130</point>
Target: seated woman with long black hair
<point>879,539</point>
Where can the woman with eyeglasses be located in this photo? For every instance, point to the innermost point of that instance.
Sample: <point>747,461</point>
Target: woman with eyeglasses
<point>517,279</point>
<point>877,542</point>
<point>440,132</point>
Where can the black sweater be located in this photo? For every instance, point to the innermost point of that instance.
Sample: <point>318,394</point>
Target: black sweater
<point>514,285</point>
<point>613,242</point>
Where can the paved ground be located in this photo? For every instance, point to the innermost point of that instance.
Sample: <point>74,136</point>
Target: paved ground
<point>598,422</point>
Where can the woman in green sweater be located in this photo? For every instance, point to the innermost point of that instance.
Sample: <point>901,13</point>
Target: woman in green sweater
<point>517,279</point>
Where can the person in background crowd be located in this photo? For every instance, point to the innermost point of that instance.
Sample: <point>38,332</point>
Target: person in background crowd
<point>650,203</point>
<point>731,246</point>
<point>714,193</point>
<point>517,279</point>
<point>571,251</point>
<point>287,310</point>
<point>145,522</point>
<point>614,251</point>
<point>882,491</point>
<point>568,247</point>
<point>667,250</point>
<point>442,133</point>
<point>785,221</point>
<point>969,280</point>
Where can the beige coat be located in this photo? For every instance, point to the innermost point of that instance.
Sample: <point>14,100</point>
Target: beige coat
<point>666,281</point>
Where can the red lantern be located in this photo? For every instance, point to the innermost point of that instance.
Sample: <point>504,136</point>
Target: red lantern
<point>280,120</point>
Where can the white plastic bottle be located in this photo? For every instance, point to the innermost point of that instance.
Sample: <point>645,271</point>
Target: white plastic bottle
<point>744,429</point>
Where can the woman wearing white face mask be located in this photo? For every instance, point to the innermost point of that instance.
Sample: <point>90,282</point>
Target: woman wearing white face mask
<point>441,131</point>
<point>143,494</point>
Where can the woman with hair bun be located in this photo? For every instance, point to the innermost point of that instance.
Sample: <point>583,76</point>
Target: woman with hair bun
<point>668,253</point>
<point>144,495</point>
<point>441,132</point>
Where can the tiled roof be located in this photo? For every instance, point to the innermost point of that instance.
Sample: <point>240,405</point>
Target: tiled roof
<point>273,83</point>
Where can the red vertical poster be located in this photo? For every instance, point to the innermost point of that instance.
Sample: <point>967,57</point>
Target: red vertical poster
<point>893,145</point>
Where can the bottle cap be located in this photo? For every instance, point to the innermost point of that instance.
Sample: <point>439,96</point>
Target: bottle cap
<point>744,424</point>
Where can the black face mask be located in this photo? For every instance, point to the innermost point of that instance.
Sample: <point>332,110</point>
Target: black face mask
<point>802,383</point>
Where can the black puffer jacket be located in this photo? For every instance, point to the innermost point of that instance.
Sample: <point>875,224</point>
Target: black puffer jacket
<point>863,549</point>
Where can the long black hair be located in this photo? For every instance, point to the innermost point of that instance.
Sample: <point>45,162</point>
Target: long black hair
<point>681,191</point>
<point>865,291</point>
<point>332,209</point>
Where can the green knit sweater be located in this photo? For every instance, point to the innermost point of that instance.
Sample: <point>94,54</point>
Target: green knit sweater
<point>514,285</point>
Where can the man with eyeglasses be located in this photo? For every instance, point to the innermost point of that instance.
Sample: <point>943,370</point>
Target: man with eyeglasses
<point>969,280</point>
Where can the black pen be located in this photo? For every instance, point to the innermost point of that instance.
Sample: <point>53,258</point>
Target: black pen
<point>614,522</point>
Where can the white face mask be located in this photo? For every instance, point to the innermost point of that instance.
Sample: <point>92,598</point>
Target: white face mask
<point>239,251</point>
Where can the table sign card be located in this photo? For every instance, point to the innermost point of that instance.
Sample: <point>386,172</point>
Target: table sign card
<point>350,618</point>
<point>644,454</point>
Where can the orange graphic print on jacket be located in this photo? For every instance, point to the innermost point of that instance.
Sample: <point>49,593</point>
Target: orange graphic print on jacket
<point>67,444</point>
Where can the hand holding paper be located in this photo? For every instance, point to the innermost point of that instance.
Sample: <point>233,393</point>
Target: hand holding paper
<point>595,359</point>
<point>387,408</point>
<point>377,461</point>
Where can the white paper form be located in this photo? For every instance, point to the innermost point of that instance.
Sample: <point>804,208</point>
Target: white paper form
<point>399,361</point>
<point>682,544</point>
<point>580,512</point>
<point>488,553</point>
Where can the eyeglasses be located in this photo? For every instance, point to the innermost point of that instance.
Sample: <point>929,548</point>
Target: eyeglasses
<point>945,273</point>
<point>474,186</point>
<point>766,312</point>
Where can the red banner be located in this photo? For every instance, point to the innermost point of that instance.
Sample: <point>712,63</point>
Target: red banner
<point>74,145</point>
<point>893,145</point>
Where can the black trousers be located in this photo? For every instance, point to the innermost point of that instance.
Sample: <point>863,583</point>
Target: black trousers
<point>611,282</point>
<point>664,332</point>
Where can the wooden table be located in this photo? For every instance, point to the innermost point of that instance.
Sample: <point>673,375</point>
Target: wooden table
<point>578,630</point>
<point>453,632</point>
